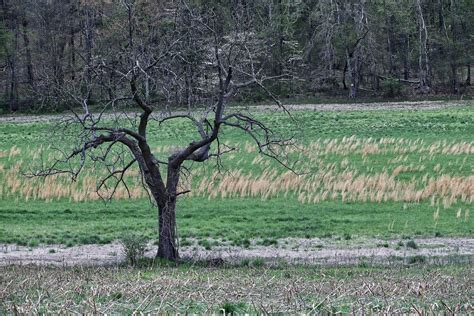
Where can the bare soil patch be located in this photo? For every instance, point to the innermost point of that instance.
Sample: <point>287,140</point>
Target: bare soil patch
<point>313,251</point>
<point>408,105</point>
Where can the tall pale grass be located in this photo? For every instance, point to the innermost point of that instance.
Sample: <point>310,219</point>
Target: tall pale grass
<point>407,176</point>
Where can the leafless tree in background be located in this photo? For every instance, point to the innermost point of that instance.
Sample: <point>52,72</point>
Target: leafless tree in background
<point>423,59</point>
<point>412,43</point>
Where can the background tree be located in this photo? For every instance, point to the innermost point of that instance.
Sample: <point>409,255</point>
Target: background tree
<point>418,44</point>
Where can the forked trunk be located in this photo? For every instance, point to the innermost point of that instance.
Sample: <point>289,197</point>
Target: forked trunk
<point>165,198</point>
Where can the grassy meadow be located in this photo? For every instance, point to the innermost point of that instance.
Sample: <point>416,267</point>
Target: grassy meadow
<point>384,174</point>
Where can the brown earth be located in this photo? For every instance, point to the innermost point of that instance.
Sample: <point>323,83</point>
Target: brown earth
<point>291,250</point>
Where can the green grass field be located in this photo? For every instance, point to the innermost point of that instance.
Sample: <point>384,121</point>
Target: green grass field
<point>365,174</point>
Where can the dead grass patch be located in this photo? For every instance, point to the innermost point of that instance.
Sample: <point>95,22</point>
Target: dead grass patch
<point>30,289</point>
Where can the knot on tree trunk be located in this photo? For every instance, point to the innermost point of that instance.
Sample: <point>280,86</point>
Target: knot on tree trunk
<point>200,155</point>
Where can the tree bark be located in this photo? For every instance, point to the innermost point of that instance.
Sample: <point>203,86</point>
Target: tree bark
<point>29,63</point>
<point>88,44</point>
<point>440,16</point>
<point>454,78</point>
<point>344,76</point>
<point>351,75</point>
<point>14,97</point>
<point>72,50</point>
<point>167,244</point>
<point>406,58</point>
<point>423,61</point>
<point>468,78</point>
<point>164,196</point>
<point>454,66</point>
<point>390,22</point>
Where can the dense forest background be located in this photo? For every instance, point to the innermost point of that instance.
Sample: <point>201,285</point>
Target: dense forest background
<point>351,48</point>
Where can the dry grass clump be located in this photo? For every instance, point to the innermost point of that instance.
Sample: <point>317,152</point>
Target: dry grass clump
<point>14,151</point>
<point>327,164</point>
<point>352,183</point>
<point>29,289</point>
<point>57,187</point>
<point>346,185</point>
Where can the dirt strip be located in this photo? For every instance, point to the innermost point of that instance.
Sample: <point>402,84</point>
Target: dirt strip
<point>408,105</point>
<point>291,250</point>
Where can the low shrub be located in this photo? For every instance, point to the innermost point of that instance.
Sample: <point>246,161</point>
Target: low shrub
<point>392,87</point>
<point>134,246</point>
<point>411,244</point>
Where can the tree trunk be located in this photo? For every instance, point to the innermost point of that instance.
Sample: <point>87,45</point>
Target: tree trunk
<point>454,79</point>
<point>167,244</point>
<point>351,75</point>
<point>188,81</point>
<point>390,22</point>
<point>88,45</point>
<point>468,78</point>
<point>423,62</point>
<point>440,16</point>
<point>29,63</point>
<point>406,58</point>
<point>72,58</point>
<point>164,196</point>
<point>344,76</point>
<point>453,50</point>
<point>14,97</point>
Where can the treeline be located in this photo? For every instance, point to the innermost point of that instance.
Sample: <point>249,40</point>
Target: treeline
<point>354,48</point>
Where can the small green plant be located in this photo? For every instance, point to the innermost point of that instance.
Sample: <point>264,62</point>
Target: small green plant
<point>186,242</point>
<point>416,259</point>
<point>258,262</point>
<point>411,244</point>
<point>242,242</point>
<point>363,264</point>
<point>269,242</point>
<point>133,247</point>
<point>33,243</point>
<point>392,87</point>
<point>116,296</point>
<point>52,251</point>
<point>206,244</point>
<point>347,236</point>
<point>229,308</point>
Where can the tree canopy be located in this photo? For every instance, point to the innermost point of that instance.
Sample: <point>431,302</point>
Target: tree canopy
<point>351,48</point>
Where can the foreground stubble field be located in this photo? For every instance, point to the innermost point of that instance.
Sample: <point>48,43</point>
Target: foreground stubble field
<point>237,290</point>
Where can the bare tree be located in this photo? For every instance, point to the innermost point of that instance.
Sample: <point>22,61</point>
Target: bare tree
<point>423,60</point>
<point>352,50</point>
<point>229,58</point>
